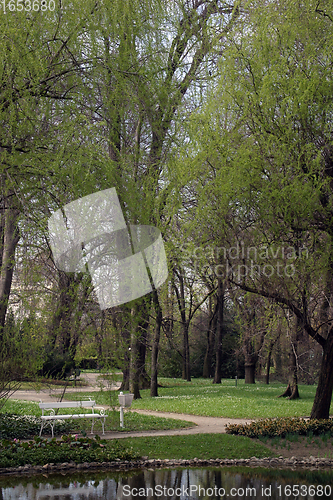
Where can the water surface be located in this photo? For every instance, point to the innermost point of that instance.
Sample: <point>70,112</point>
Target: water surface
<point>178,484</point>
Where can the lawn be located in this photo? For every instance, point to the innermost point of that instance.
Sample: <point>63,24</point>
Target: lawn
<point>203,446</point>
<point>201,397</point>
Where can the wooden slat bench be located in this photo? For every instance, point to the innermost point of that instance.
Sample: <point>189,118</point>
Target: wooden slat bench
<point>51,418</point>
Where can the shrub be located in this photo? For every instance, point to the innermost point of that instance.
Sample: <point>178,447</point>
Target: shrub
<point>272,427</point>
<point>26,426</point>
<point>57,364</point>
<point>88,363</point>
<point>41,451</point>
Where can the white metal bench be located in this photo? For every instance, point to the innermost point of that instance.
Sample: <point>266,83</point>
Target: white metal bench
<point>51,418</point>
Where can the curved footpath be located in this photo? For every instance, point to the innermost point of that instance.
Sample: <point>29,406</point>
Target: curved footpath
<point>203,425</point>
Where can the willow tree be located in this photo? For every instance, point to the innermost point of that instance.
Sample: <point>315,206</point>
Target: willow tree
<point>39,139</point>
<point>269,138</point>
<point>150,58</point>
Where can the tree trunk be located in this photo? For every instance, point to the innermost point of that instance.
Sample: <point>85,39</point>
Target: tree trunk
<point>82,298</point>
<point>254,335</point>
<point>218,365</point>
<point>292,390</point>
<point>186,354</point>
<point>251,358</point>
<point>134,372</point>
<point>250,370</point>
<point>269,355</point>
<point>144,379</point>
<point>134,380</point>
<point>323,397</point>
<point>9,237</point>
<point>62,325</point>
<point>156,341</point>
<point>268,366</point>
<point>293,376</point>
<point>126,376</point>
<point>126,340</point>
<point>186,371</point>
<point>207,371</point>
<point>278,361</point>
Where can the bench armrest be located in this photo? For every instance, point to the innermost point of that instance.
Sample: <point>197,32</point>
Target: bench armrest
<point>101,409</point>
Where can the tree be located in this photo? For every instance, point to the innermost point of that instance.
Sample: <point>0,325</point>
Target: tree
<point>38,64</point>
<point>149,59</point>
<point>276,151</point>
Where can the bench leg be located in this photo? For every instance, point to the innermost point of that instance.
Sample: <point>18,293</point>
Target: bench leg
<point>43,425</point>
<point>93,423</point>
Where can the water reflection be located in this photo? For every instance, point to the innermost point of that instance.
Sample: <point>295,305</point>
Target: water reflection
<point>175,484</point>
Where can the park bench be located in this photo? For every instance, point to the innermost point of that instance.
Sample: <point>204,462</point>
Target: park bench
<point>52,417</point>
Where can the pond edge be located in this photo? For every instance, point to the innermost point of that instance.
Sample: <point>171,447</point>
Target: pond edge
<point>71,467</point>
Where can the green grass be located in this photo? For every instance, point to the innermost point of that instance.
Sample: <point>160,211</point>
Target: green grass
<point>203,446</point>
<point>112,377</point>
<point>201,397</point>
<point>21,407</point>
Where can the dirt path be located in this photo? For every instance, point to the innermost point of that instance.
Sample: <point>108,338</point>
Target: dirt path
<point>203,425</point>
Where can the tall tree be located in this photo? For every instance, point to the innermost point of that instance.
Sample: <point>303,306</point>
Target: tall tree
<point>275,150</point>
<point>38,67</point>
<point>150,58</point>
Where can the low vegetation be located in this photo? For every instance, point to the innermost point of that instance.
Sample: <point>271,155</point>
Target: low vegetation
<point>281,427</point>
<point>40,451</point>
<point>13,426</point>
<point>21,421</point>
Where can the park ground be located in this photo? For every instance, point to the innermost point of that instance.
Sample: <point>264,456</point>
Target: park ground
<point>201,399</point>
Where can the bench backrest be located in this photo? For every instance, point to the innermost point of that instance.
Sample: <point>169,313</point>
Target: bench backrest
<point>67,404</point>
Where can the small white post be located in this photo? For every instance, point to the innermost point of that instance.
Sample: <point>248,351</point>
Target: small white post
<point>121,417</point>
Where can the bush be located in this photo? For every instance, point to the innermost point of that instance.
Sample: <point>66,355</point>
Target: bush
<point>272,427</point>
<point>57,364</point>
<point>26,426</point>
<point>170,363</point>
<point>69,448</point>
<point>88,363</point>
<point>20,354</point>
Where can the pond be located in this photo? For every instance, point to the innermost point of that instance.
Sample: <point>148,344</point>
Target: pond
<point>168,484</point>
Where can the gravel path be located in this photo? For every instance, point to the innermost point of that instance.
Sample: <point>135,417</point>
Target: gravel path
<point>203,425</point>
